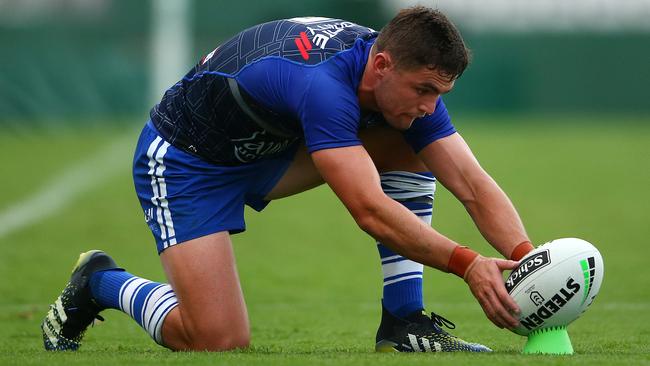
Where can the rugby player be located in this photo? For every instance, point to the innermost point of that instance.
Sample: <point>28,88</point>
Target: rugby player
<point>276,110</point>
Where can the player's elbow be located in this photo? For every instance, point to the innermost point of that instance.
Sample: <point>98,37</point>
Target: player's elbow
<point>367,223</point>
<point>367,215</point>
<point>469,201</point>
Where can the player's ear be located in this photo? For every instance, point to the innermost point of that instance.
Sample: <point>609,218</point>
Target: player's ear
<point>382,63</point>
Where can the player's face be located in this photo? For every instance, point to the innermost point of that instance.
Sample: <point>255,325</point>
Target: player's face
<point>404,95</point>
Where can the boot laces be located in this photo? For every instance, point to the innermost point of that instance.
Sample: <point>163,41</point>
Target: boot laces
<point>441,321</point>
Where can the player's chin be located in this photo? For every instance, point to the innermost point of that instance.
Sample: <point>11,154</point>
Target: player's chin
<point>401,122</point>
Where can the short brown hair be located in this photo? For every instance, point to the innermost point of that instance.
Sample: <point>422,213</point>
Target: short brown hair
<point>421,36</point>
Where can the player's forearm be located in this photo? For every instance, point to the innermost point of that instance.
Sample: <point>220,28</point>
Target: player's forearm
<point>396,227</point>
<point>496,217</point>
<point>380,216</point>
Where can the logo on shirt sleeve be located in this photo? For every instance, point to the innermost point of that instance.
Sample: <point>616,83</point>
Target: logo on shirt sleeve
<point>303,45</point>
<point>318,32</point>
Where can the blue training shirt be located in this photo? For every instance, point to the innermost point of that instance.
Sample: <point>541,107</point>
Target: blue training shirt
<point>277,84</point>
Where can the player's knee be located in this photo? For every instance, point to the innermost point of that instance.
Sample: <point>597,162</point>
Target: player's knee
<point>220,344</point>
<point>389,151</point>
<point>216,339</point>
<point>399,160</point>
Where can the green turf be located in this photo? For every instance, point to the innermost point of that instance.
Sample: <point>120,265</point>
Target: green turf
<point>312,280</point>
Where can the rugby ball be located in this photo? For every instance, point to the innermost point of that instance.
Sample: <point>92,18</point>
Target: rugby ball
<point>555,283</point>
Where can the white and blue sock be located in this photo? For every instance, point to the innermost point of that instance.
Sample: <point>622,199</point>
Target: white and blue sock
<point>402,294</point>
<point>147,302</point>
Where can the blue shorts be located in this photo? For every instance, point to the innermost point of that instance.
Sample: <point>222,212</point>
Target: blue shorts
<point>185,197</point>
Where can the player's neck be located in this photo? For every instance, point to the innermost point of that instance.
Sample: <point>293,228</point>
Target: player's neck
<point>366,91</point>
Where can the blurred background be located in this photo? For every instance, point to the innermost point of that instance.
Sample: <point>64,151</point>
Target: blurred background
<point>80,61</point>
<point>556,105</point>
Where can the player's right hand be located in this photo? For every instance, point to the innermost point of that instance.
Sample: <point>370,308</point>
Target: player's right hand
<point>485,279</point>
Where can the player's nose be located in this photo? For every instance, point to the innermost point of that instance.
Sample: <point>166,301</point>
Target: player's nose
<point>428,107</point>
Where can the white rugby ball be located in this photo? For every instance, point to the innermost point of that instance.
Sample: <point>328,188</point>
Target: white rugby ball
<point>555,283</point>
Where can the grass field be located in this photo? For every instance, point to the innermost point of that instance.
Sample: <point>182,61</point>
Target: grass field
<point>312,279</point>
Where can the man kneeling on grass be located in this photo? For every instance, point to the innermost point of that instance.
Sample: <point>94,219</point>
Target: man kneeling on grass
<point>276,110</point>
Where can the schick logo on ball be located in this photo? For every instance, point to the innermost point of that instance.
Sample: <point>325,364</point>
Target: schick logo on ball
<point>552,306</point>
<point>531,264</point>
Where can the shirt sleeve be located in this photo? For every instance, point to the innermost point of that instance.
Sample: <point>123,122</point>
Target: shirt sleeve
<point>329,115</point>
<point>426,130</point>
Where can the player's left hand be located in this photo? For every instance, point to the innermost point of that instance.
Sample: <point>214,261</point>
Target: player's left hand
<point>485,279</point>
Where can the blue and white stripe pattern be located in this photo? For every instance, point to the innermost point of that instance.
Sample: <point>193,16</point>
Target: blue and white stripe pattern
<point>400,185</point>
<point>148,303</point>
<point>402,293</point>
<point>397,268</point>
<point>156,153</point>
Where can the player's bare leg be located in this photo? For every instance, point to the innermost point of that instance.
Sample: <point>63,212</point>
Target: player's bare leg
<point>211,314</point>
<point>204,310</point>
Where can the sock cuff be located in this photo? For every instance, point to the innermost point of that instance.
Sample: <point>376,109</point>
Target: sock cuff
<point>402,185</point>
